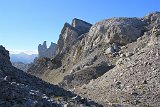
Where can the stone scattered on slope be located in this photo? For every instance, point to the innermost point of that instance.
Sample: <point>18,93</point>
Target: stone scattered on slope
<point>19,89</point>
<point>134,81</point>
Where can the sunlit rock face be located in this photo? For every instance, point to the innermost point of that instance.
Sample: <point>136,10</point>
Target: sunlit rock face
<point>70,34</point>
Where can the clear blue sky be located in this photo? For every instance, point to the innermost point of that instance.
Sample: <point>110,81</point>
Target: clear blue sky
<point>26,23</point>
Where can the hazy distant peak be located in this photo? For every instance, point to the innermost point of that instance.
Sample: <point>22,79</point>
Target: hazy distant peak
<point>28,52</point>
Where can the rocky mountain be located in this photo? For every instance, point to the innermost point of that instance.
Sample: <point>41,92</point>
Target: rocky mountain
<point>22,59</point>
<point>69,35</point>
<point>43,51</point>
<point>19,89</point>
<point>115,61</point>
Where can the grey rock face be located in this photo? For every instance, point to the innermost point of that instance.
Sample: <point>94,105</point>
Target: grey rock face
<point>42,49</point>
<point>81,26</point>
<point>50,52</point>
<point>115,30</point>
<point>67,37</point>
<point>70,34</point>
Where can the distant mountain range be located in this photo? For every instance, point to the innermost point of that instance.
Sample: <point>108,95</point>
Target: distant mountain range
<point>23,56</point>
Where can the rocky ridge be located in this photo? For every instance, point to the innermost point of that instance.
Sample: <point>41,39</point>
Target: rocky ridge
<point>105,61</point>
<point>70,34</point>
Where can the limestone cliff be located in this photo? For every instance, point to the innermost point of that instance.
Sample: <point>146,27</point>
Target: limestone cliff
<point>70,34</point>
<point>43,51</point>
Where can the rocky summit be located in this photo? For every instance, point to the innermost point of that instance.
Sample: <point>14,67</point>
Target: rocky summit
<point>114,62</point>
<point>19,89</point>
<point>43,51</point>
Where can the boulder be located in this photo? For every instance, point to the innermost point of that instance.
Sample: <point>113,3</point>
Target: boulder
<point>110,50</point>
